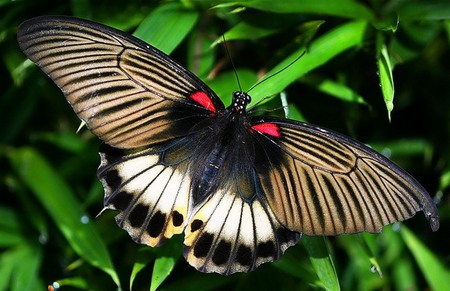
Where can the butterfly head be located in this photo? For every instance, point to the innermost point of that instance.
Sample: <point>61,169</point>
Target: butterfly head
<point>240,102</point>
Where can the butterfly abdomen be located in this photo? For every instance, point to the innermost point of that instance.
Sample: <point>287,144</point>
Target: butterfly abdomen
<point>211,169</point>
<point>214,150</point>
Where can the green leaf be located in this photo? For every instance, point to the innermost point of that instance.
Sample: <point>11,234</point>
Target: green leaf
<point>63,207</point>
<point>77,282</point>
<point>19,268</point>
<point>372,259</point>
<point>198,281</point>
<point>246,30</point>
<point>320,51</point>
<point>67,141</point>
<point>403,274</point>
<point>320,257</point>
<point>10,228</point>
<point>387,23</point>
<point>333,88</point>
<point>423,10</point>
<point>342,8</point>
<point>203,56</point>
<point>14,112</point>
<point>167,26</point>
<point>143,257</point>
<point>436,274</point>
<point>81,8</point>
<point>385,74</point>
<point>161,270</point>
<point>259,25</point>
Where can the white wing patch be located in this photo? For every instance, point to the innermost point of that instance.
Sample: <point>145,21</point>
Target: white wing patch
<point>153,198</point>
<point>227,234</point>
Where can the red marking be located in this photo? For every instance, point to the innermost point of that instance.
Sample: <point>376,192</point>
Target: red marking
<point>268,128</point>
<point>203,99</point>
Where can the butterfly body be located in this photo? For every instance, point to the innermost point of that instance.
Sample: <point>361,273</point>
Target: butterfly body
<point>242,188</point>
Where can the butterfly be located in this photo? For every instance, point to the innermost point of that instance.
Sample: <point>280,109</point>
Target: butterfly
<point>242,188</point>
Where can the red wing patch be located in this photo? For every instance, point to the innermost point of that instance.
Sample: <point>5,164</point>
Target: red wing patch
<point>203,99</point>
<point>268,128</point>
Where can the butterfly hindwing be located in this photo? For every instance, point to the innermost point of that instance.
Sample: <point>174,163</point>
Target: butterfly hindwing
<point>324,183</point>
<point>228,234</point>
<point>129,93</point>
<point>152,195</point>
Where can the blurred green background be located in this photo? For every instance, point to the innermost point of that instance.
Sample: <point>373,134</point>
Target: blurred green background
<point>378,71</point>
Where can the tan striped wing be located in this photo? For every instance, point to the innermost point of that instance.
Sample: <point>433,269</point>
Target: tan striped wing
<point>129,93</point>
<point>323,183</point>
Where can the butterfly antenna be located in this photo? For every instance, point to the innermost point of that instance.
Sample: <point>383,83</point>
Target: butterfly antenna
<point>232,63</point>
<point>276,73</point>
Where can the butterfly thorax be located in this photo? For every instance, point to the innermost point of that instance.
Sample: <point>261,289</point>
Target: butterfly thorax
<point>240,101</point>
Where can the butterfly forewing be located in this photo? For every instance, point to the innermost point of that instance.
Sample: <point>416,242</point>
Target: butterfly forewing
<point>128,93</point>
<point>322,183</point>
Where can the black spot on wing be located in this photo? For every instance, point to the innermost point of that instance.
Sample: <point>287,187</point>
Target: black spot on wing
<point>266,249</point>
<point>156,224</point>
<point>177,218</point>
<point>138,215</point>
<point>244,256</point>
<point>121,200</point>
<point>203,245</point>
<point>222,253</point>
<point>112,179</point>
<point>196,225</point>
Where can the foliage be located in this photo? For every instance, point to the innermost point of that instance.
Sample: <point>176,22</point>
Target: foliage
<point>376,70</point>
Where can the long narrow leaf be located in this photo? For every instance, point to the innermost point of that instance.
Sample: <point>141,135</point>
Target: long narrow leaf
<point>157,28</point>
<point>343,8</point>
<point>62,205</point>
<point>434,271</point>
<point>385,73</point>
<point>320,51</point>
<point>19,267</point>
<point>322,261</point>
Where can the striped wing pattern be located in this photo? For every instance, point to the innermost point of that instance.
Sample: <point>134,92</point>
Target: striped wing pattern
<point>323,183</point>
<point>128,93</point>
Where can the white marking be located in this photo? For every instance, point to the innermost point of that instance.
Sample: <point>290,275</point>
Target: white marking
<point>234,219</point>
<point>264,230</point>
<point>223,213</point>
<point>247,236</point>
<point>131,167</point>
<point>218,217</point>
<point>163,187</point>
